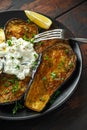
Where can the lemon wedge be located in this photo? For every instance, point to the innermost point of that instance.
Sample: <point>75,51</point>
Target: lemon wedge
<point>2,35</point>
<point>38,19</point>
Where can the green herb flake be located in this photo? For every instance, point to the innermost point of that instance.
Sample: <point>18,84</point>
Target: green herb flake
<point>15,88</point>
<point>17,67</point>
<point>28,20</point>
<point>46,57</point>
<point>6,84</point>
<point>36,56</point>
<point>26,38</point>
<point>34,65</point>
<point>70,65</point>
<point>62,79</point>
<point>9,42</point>
<point>31,40</point>
<point>66,51</point>
<point>12,57</point>
<point>40,43</point>
<point>53,75</point>
<point>33,35</point>
<point>17,107</point>
<point>44,78</point>
<point>11,80</point>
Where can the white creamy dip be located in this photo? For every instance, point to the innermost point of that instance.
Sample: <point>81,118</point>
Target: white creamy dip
<point>17,57</point>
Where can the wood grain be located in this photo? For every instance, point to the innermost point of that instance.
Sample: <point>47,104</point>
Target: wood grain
<point>50,7</point>
<point>4,4</point>
<point>76,21</point>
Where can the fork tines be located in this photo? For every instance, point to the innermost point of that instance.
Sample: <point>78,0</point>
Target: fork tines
<point>51,34</point>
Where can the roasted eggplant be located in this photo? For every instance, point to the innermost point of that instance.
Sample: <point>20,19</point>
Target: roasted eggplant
<point>19,28</point>
<point>12,89</point>
<point>57,65</point>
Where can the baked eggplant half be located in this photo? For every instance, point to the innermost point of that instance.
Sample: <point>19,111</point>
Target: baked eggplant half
<point>11,88</point>
<point>57,65</point>
<point>19,28</point>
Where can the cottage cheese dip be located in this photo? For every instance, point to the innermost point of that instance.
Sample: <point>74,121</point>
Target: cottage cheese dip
<point>17,57</point>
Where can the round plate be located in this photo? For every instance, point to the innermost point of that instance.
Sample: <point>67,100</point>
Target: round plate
<point>69,86</point>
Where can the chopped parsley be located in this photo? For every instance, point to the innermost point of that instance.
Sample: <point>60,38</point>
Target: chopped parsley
<point>40,43</point>
<point>66,51</point>
<point>25,38</point>
<point>15,87</point>
<point>35,63</point>
<point>12,57</point>
<point>33,35</point>
<point>28,20</point>
<point>44,78</point>
<point>11,81</point>
<point>31,40</point>
<point>9,42</point>
<point>17,67</point>
<point>36,56</point>
<point>46,57</point>
<point>17,106</point>
<point>6,84</point>
<point>53,75</point>
<point>70,65</point>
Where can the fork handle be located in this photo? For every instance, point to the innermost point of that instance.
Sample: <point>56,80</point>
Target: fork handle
<point>80,39</point>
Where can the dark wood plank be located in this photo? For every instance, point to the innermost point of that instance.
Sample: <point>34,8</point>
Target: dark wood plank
<point>4,4</point>
<point>12,4</point>
<point>53,8</point>
<point>76,21</point>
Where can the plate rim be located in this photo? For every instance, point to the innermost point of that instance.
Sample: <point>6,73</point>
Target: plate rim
<point>64,100</point>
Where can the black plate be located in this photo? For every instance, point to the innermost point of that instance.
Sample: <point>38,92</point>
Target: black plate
<point>69,86</point>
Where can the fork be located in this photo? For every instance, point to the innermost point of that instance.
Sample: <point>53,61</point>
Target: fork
<point>56,34</point>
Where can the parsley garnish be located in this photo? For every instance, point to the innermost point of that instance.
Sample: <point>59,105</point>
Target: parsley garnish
<point>31,40</point>
<point>66,51</point>
<point>36,56</point>
<point>6,84</point>
<point>46,57</point>
<point>40,43</point>
<point>53,75</point>
<point>17,67</point>
<point>12,57</point>
<point>9,42</point>
<point>17,107</point>
<point>15,87</point>
<point>35,63</point>
<point>44,78</point>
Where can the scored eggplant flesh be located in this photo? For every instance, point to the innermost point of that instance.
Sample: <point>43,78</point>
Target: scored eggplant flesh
<point>12,89</point>
<point>57,65</point>
<point>19,28</point>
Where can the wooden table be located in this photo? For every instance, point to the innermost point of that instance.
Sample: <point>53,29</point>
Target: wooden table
<point>73,114</point>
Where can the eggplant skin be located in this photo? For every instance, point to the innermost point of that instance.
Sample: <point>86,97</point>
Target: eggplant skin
<point>12,89</point>
<point>19,28</point>
<point>57,65</point>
